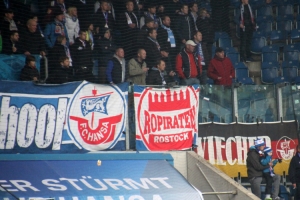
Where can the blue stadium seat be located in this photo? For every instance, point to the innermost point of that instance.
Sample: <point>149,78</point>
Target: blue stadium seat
<point>225,42</point>
<point>246,81</point>
<point>271,48</point>
<point>259,34</point>
<point>264,11</point>
<point>295,36</point>
<point>213,51</point>
<point>291,55</point>
<point>234,57</point>
<point>264,18</point>
<point>241,71</point>
<point>266,27</point>
<point>285,9</point>
<point>257,44</point>
<point>291,47</point>
<point>269,71</point>
<point>279,37</point>
<point>269,56</point>
<point>221,35</point>
<point>285,18</point>
<point>290,70</point>
<point>280,79</point>
<point>286,26</point>
<point>229,50</point>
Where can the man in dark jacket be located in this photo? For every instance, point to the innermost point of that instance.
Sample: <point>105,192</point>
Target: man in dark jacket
<point>82,58</point>
<point>205,26</point>
<point>294,172</point>
<point>185,26</point>
<point>32,40</point>
<point>129,26</point>
<point>153,49</point>
<point>143,33</point>
<point>116,71</point>
<point>103,19</point>
<point>8,24</point>
<point>158,76</point>
<point>62,72</point>
<point>254,167</point>
<point>29,72</point>
<point>12,45</point>
<point>221,69</point>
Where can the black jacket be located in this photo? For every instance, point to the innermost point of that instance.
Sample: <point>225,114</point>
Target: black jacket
<point>106,49</point>
<point>61,75</point>
<point>254,167</point>
<point>205,26</point>
<point>294,169</point>
<point>28,73</point>
<point>116,72</point>
<point>153,54</point>
<point>154,78</point>
<point>185,27</point>
<point>100,21</point>
<point>142,37</point>
<point>7,47</point>
<point>34,43</point>
<point>162,38</point>
<point>81,55</point>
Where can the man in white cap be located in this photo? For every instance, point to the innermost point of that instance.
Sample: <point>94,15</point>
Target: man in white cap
<point>188,64</point>
<point>254,167</point>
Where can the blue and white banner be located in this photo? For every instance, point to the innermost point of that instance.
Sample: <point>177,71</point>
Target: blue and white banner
<point>93,180</point>
<point>76,117</point>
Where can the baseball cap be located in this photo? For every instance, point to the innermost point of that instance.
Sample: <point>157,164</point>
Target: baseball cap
<point>191,42</point>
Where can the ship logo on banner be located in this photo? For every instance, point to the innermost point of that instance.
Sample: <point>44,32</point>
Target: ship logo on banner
<point>166,118</point>
<point>96,116</point>
<point>285,148</point>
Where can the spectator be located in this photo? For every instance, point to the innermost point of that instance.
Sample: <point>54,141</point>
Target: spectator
<point>116,71</point>
<point>62,72</point>
<point>31,40</point>
<point>151,13</point>
<point>8,24</point>
<point>72,24</point>
<point>103,19</point>
<point>139,8</point>
<point>205,26</point>
<point>82,58</point>
<point>38,27</point>
<point>60,49</point>
<point>55,28</point>
<point>138,68</point>
<point>272,179</point>
<point>247,26</point>
<point>294,172</point>
<point>29,72</point>
<point>166,39</point>
<point>220,69</point>
<point>12,45</point>
<point>194,12</point>
<point>172,8</point>
<point>200,53</point>
<point>152,48</point>
<point>143,33</point>
<point>185,26</point>
<point>106,49</point>
<point>59,4</point>
<point>157,76</point>
<point>188,65</point>
<point>254,167</point>
<point>84,9</point>
<point>129,27</point>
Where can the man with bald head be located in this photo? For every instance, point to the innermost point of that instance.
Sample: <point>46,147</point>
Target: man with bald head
<point>32,40</point>
<point>188,64</point>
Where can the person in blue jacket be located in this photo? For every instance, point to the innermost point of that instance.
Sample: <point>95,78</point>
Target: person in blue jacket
<point>56,28</point>
<point>269,175</point>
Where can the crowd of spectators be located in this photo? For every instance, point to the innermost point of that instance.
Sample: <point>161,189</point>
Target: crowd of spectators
<point>116,41</point>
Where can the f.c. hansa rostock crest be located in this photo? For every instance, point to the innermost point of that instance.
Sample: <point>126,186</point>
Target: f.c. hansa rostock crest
<point>97,116</point>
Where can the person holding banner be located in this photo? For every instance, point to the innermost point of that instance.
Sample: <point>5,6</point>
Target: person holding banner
<point>254,167</point>
<point>294,173</point>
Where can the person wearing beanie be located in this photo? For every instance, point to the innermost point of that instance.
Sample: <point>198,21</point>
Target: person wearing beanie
<point>254,167</point>
<point>221,69</point>
<point>272,180</point>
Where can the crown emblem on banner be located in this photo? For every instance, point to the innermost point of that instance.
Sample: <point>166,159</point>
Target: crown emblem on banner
<point>167,101</point>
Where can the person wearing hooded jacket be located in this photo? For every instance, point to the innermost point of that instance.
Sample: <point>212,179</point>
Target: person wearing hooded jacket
<point>254,166</point>
<point>220,69</point>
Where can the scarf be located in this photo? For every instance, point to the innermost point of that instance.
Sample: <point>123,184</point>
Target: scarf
<point>59,28</point>
<point>74,18</point>
<point>200,52</point>
<point>171,38</point>
<point>242,15</point>
<point>67,51</point>
<point>129,21</point>
<point>155,41</point>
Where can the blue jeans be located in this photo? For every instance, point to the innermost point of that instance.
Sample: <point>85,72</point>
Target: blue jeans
<point>190,81</point>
